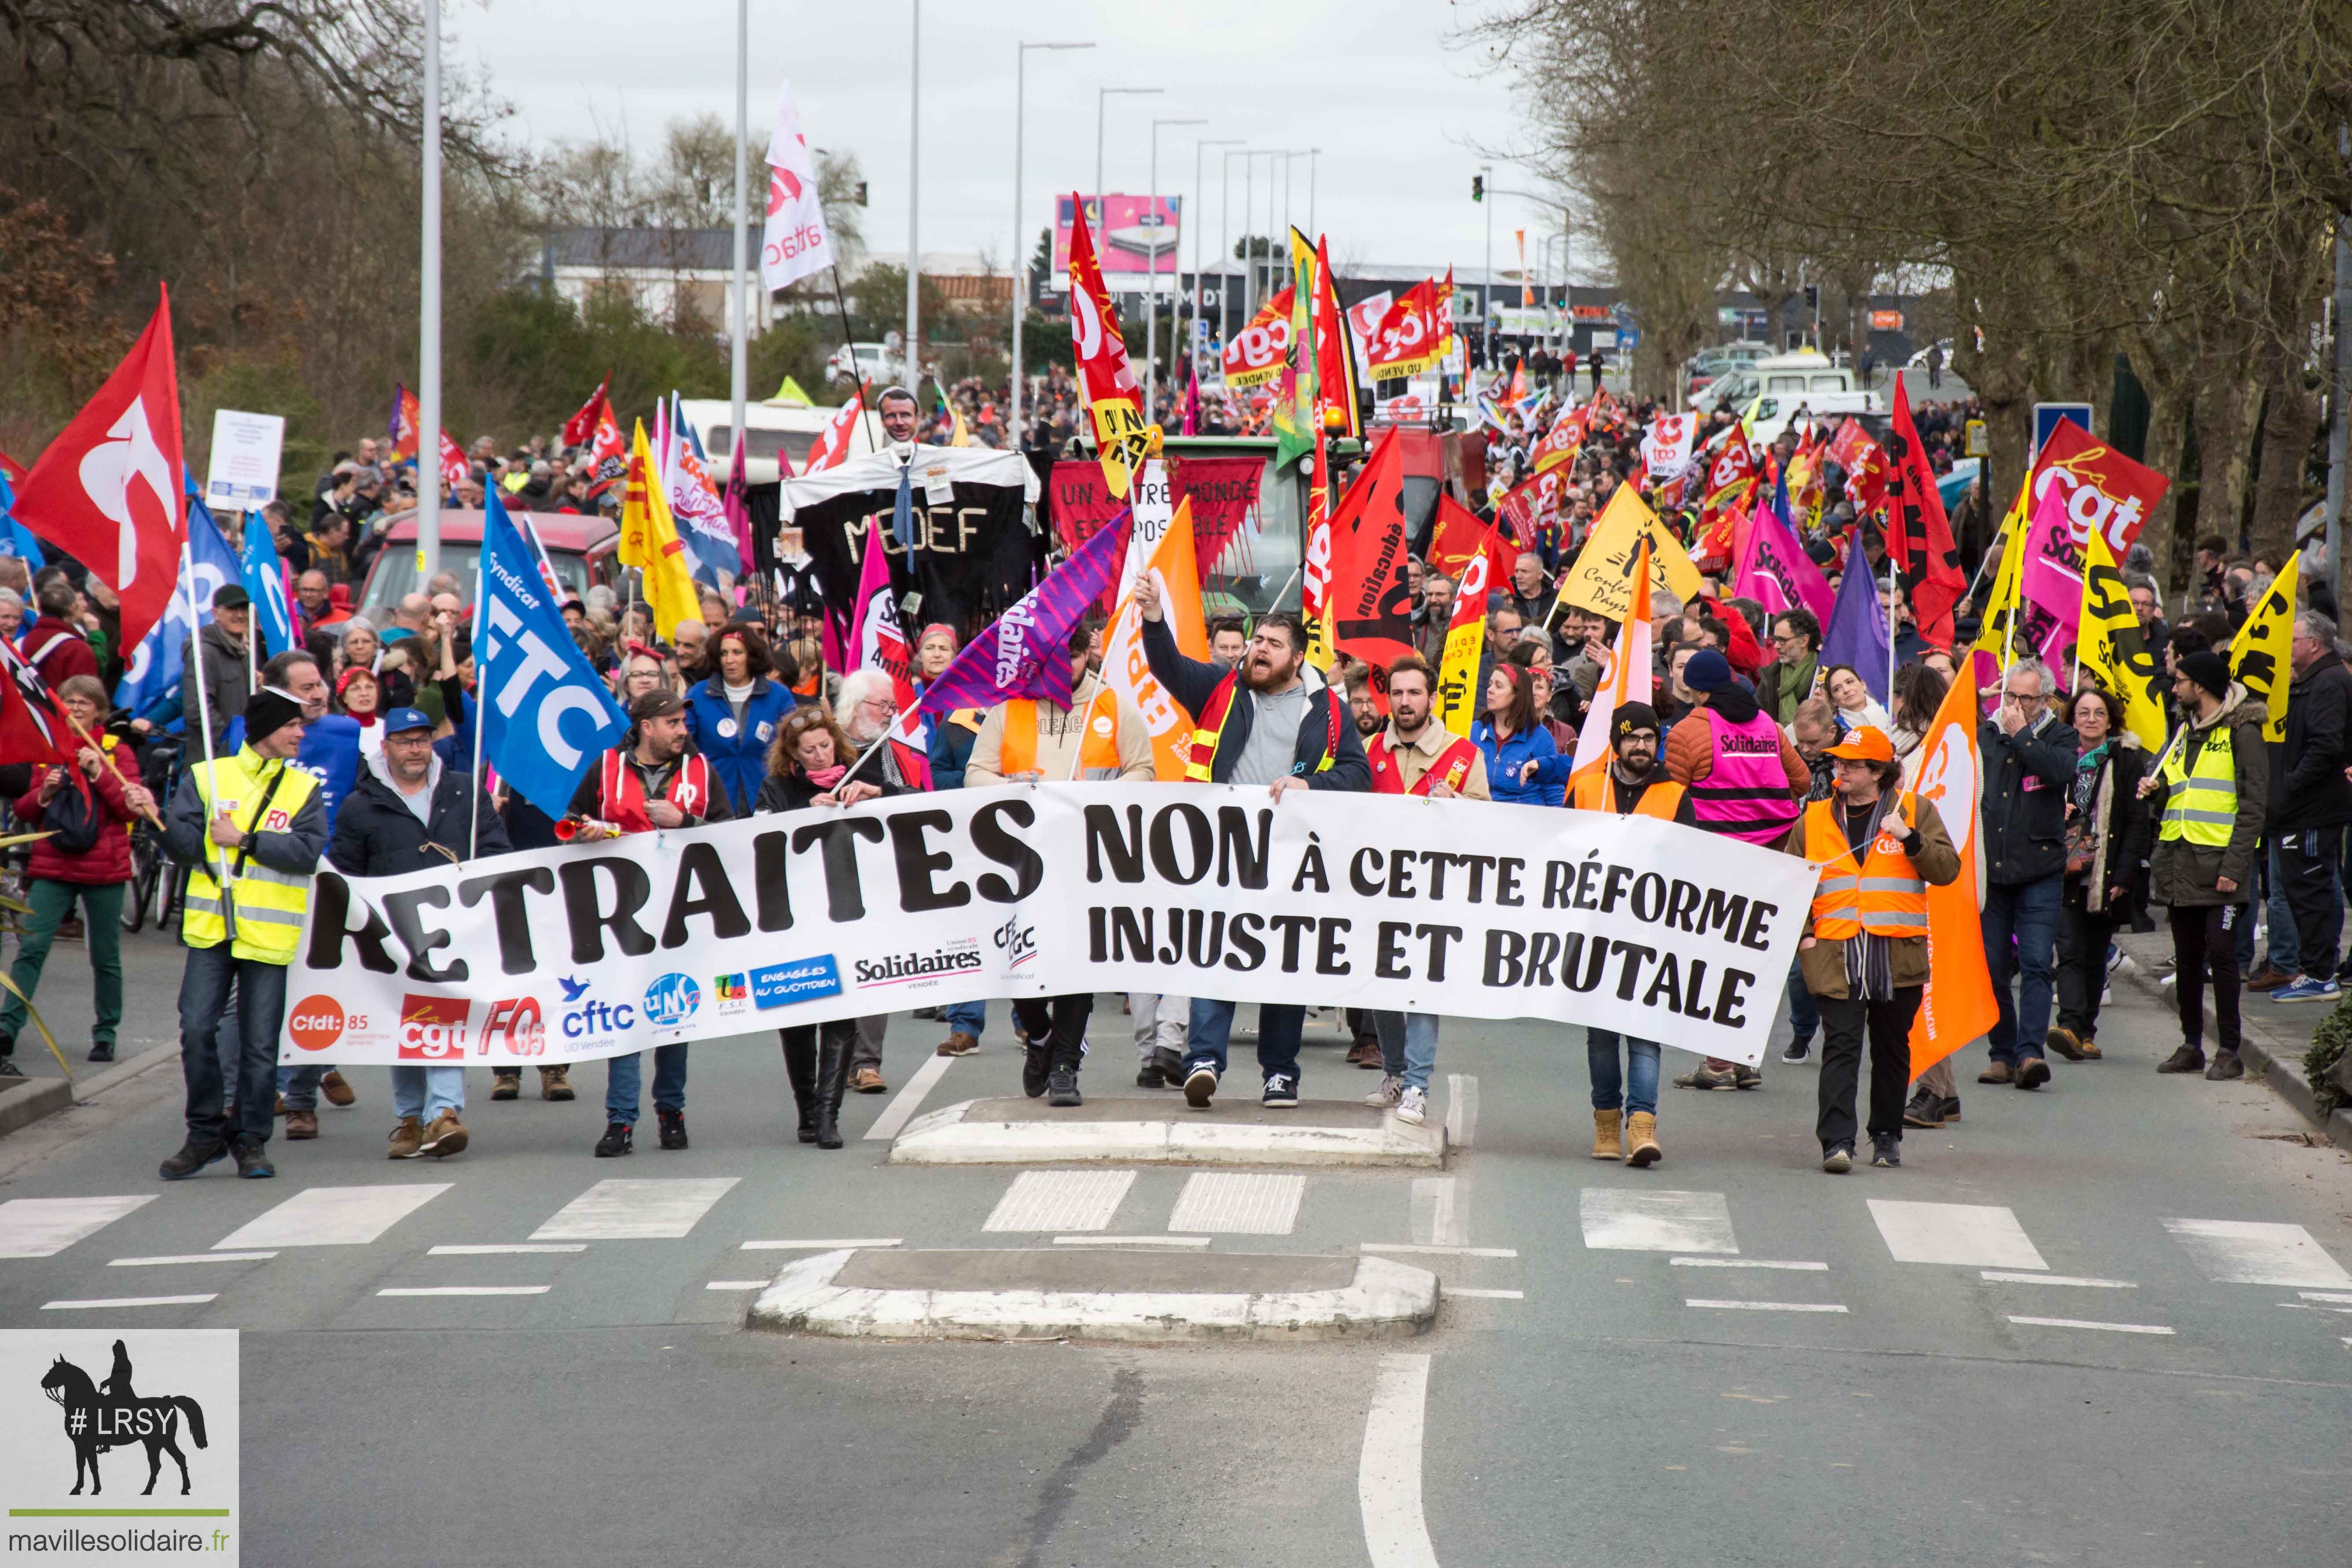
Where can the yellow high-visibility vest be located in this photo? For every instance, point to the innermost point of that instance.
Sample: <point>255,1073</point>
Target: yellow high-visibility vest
<point>268,904</point>
<point>2200,803</point>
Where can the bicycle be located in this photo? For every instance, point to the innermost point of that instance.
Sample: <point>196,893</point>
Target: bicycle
<point>155,891</point>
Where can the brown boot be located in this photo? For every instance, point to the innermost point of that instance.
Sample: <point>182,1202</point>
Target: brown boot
<point>506,1083</point>
<point>406,1139</point>
<point>555,1083</point>
<point>957,1044</point>
<point>336,1091</point>
<point>1608,1140</point>
<point>1998,1072</point>
<point>301,1124</point>
<point>1642,1140</point>
<point>446,1136</point>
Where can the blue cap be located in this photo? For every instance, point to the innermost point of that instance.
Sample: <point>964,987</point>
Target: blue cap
<point>401,719</point>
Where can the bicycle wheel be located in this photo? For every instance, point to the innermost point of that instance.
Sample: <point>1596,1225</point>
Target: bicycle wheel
<point>142,883</point>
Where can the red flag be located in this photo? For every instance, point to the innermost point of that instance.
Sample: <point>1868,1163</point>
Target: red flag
<point>580,426</point>
<point>454,470</point>
<point>1918,535</point>
<point>109,490</point>
<point>405,420</point>
<point>32,729</point>
<point>1335,356</point>
<point>607,454</point>
<point>833,447</point>
<point>1370,594</point>
<point>1458,538</point>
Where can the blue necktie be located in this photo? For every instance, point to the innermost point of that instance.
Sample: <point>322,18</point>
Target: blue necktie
<point>902,511</point>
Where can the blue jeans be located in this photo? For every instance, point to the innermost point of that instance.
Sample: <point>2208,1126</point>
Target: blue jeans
<point>1408,1046</point>
<point>260,1010</point>
<point>2025,913</point>
<point>298,1087</point>
<point>971,1017</point>
<point>425,1092</point>
<point>623,1075</point>
<point>1638,1089</point>
<point>1278,1028</point>
<point>1804,1016</point>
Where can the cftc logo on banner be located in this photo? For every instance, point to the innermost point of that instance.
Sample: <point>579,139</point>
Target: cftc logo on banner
<point>119,1445</point>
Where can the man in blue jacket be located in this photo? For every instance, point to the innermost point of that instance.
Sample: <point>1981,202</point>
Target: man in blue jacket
<point>1255,723</point>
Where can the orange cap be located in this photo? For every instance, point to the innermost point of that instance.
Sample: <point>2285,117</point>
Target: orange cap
<point>1864,743</point>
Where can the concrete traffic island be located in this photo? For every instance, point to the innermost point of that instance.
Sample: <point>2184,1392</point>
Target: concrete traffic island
<point>1164,1131</point>
<point>1097,1294</point>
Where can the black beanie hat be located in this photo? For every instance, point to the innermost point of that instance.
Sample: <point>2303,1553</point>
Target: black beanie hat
<point>270,711</point>
<point>2208,669</point>
<point>1630,717</point>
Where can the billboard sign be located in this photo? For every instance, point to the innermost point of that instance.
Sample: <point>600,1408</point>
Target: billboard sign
<point>1135,238</point>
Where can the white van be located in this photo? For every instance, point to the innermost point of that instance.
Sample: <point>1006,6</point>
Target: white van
<point>1775,410</point>
<point>1802,372</point>
<point>775,426</point>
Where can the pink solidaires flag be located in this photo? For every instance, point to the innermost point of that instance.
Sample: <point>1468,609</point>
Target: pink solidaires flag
<point>1775,571</point>
<point>877,640</point>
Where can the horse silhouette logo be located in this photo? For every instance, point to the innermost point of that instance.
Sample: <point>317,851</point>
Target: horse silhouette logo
<point>112,1417</point>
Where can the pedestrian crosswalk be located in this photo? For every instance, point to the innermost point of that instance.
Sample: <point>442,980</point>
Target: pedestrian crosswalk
<point>1975,1236</point>
<point>333,1216</point>
<point>625,1210</point>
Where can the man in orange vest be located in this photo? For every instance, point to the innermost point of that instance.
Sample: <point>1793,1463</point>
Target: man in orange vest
<point>1634,783</point>
<point>1416,755</point>
<point>1100,736</point>
<point>1864,951</point>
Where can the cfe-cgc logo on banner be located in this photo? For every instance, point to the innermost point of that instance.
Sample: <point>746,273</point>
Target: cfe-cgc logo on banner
<point>433,1028</point>
<point>119,1446</point>
<point>1016,939</point>
<point>672,1000</point>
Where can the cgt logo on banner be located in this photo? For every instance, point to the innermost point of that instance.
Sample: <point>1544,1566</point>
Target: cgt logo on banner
<point>154,1411</point>
<point>1525,912</point>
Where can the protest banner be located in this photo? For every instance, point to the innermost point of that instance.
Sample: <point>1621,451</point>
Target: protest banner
<point>585,951</point>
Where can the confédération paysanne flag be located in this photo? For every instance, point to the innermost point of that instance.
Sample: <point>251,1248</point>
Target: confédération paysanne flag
<point>1113,399</point>
<point>2258,655</point>
<point>2109,644</point>
<point>649,542</point>
<point>1601,579</point>
<point>1958,1003</point>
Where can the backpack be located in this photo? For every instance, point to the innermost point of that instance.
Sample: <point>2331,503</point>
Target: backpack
<point>73,818</point>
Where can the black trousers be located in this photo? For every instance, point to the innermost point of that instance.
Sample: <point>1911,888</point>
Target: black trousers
<point>2082,964</point>
<point>2307,863</point>
<point>1060,1023</point>
<point>1844,1024</point>
<point>2206,936</point>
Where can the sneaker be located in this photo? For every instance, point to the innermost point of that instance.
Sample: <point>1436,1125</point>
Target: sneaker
<point>1062,1088</point>
<point>2307,989</point>
<point>1282,1093</point>
<point>1838,1158</point>
<point>1034,1067</point>
<point>1746,1077</point>
<point>2189,1057</point>
<point>619,1136</point>
<point>101,1051</point>
<point>446,1136</point>
<point>1950,1108</point>
<point>2033,1073</point>
<point>193,1157</point>
<point>1390,1091</point>
<point>1706,1076</point>
<point>406,1139</point>
<point>957,1044</point>
<point>2267,978</point>
<point>2066,1042</point>
<point>1199,1086</point>
<point>1998,1072</point>
<point>1885,1151</point>
<point>1796,1051</point>
<point>1170,1063</point>
<point>1148,1076</point>
<point>866,1080</point>
<point>1413,1107</point>
<point>301,1125</point>
<point>555,1083</point>
<point>2226,1065</point>
<point>673,1127</point>
<point>506,1083</point>
<point>253,1162</point>
<point>336,1091</point>
<point>1926,1109</point>
<point>8,1068</point>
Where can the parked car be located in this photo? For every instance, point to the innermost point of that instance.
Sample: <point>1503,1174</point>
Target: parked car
<point>1804,370</point>
<point>1710,365</point>
<point>877,363</point>
<point>773,428</point>
<point>579,547</point>
<point>1775,410</point>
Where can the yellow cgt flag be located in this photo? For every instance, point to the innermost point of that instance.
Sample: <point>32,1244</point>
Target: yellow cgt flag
<point>2258,657</point>
<point>2109,644</point>
<point>649,542</point>
<point>1602,580</point>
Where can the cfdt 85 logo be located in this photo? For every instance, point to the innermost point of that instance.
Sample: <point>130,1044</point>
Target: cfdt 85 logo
<point>433,1028</point>
<point>317,1022</point>
<point>671,1000</point>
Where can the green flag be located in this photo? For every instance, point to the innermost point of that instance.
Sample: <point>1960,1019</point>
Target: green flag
<point>1297,422</point>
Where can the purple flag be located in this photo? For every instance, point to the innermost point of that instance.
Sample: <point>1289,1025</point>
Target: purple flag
<point>1024,651</point>
<point>1777,573</point>
<point>1856,631</point>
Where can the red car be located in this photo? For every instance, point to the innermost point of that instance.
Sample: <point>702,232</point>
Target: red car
<point>580,549</point>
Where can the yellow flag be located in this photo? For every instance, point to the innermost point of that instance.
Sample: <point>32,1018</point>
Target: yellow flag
<point>2110,647</point>
<point>1465,638</point>
<point>2258,658</point>
<point>2000,610</point>
<point>1602,580</point>
<point>649,542</point>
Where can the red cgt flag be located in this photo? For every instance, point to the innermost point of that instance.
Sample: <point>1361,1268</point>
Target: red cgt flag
<point>582,426</point>
<point>108,491</point>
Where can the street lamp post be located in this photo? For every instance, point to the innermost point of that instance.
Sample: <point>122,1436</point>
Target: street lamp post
<point>428,335</point>
<point>1314,157</point>
<point>1487,284</point>
<point>1201,201</point>
<point>914,206</point>
<point>1020,250</point>
<point>739,338</point>
<point>1102,96</point>
<point>1151,281</point>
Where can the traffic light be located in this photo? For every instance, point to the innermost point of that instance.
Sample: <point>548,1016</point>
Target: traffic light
<point>1478,187</point>
<point>861,193</point>
<point>1813,296</point>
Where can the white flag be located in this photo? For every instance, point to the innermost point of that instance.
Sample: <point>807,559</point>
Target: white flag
<point>794,243</point>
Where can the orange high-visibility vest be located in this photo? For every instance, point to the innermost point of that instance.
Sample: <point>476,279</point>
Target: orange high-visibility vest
<point>1883,894</point>
<point>1097,748</point>
<point>1596,791</point>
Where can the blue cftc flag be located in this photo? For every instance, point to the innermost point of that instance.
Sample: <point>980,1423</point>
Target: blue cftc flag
<point>149,687</point>
<point>546,717</point>
<point>265,585</point>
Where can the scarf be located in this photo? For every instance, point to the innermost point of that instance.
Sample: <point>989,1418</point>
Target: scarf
<point>825,778</point>
<point>2086,775</point>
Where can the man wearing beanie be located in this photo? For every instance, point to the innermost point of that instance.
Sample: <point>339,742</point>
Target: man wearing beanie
<point>2029,776</point>
<point>249,828</point>
<point>2214,788</point>
<point>1745,780</point>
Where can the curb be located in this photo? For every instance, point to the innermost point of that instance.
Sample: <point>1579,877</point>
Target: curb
<point>37,1097</point>
<point>2277,1064</point>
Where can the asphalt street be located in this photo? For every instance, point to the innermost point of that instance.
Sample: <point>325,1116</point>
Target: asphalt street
<point>1731,1358</point>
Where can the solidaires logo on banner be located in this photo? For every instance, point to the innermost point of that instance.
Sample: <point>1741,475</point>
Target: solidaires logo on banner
<point>119,1445</point>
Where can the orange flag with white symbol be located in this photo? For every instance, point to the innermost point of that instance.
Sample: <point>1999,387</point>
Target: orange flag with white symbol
<point>1958,1003</point>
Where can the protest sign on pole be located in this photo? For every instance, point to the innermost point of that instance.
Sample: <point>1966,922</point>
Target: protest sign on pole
<point>241,474</point>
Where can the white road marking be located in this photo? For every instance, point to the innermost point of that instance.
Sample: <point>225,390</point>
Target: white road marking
<point>2240,1252</point>
<point>742,1283</point>
<point>1461,1110</point>
<point>2323,1296</point>
<point>465,1290</point>
<point>1440,1251</point>
<point>1765,1306</point>
<point>1239,1203</point>
<point>623,1209</point>
<point>127,1301</point>
<point>1497,1295</point>
<point>909,1099</point>
<point>2086,1323</point>
<point>1388,1477</point>
<point>821,1245</point>
<point>502,1248</point>
<point>1438,1219</point>
<point>1625,1219</point>
<point>2011,1276</point>
<point>1745,1263</point>
<point>1060,1200</point>
<point>43,1227</point>
<point>333,1216</point>
<point>1131,1241</point>
<point>1976,1236</point>
<point>190,1257</point>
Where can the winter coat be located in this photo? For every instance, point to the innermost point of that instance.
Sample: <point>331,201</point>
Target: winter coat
<point>1191,682</point>
<point>108,860</point>
<point>377,836</point>
<point>227,680</point>
<point>738,753</point>
<point>57,651</point>
<point>951,744</point>
<point>2028,779</point>
<point>1823,963</point>
<point>1504,761</point>
<point>1781,687</point>
<point>2308,788</point>
<point>2185,874</point>
<point>795,792</point>
<point>2129,833</point>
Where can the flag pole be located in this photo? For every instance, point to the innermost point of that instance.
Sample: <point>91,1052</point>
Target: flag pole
<point>482,681</point>
<point>856,379</point>
<point>204,711</point>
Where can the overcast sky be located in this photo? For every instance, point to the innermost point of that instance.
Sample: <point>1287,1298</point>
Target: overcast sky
<point>1398,110</point>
